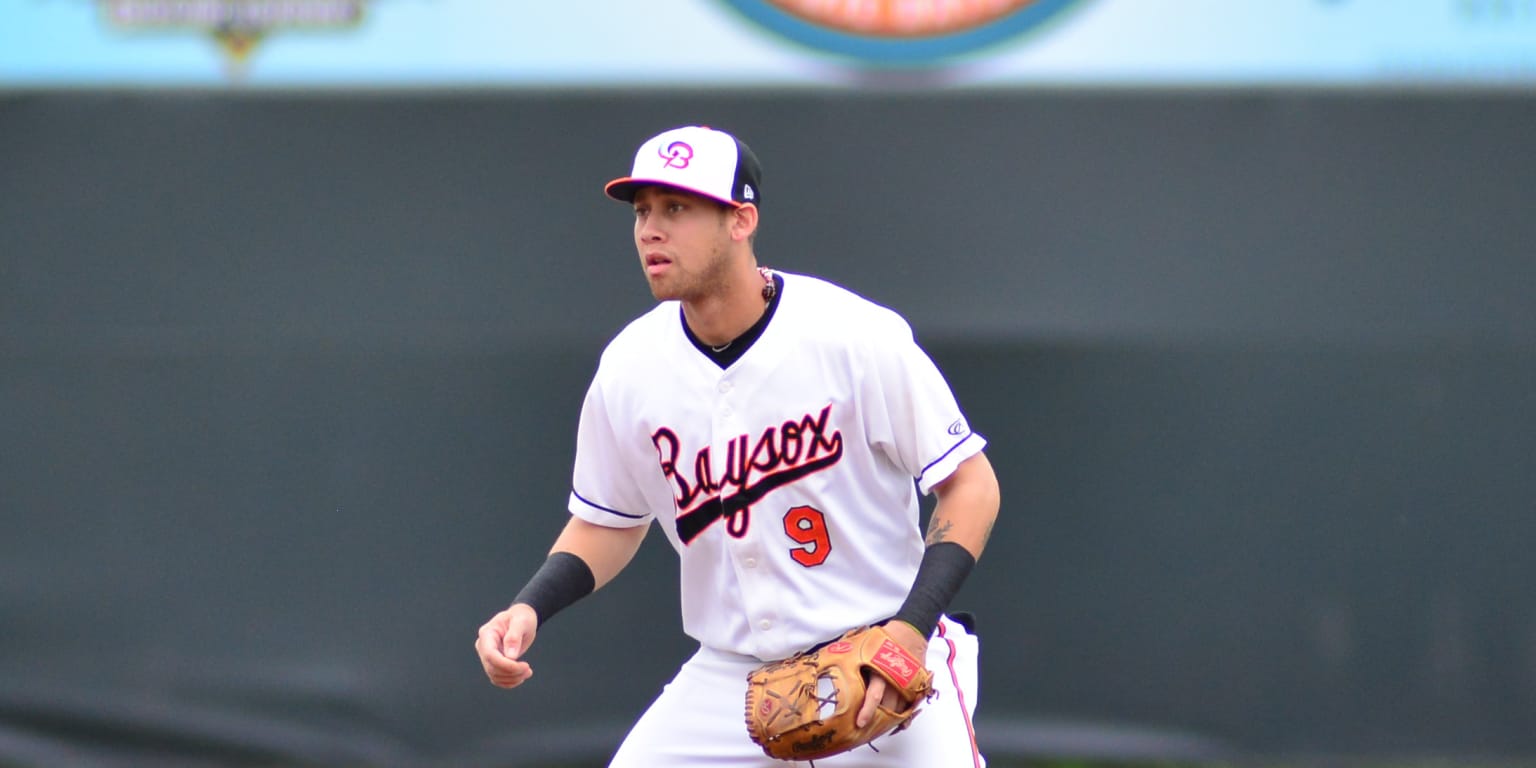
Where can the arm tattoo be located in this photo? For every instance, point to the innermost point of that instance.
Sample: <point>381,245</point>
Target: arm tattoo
<point>938,531</point>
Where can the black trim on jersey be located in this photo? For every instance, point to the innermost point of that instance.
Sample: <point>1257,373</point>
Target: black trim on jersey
<point>946,454</point>
<point>737,508</point>
<point>600,507</point>
<point>739,345</point>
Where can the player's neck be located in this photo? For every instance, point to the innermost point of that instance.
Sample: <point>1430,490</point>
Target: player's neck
<point>719,319</point>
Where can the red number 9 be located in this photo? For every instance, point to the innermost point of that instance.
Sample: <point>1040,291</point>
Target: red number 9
<point>808,526</point>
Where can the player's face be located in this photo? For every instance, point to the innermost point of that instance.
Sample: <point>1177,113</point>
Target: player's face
<point>684,242</point>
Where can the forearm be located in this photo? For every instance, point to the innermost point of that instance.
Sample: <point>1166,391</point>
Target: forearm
<point>583,559</point>
<point>605,550</point>
<point>957,533</point>
<point>967,506</point>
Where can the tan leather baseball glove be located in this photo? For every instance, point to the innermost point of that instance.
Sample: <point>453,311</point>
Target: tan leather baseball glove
<point>803,707</point>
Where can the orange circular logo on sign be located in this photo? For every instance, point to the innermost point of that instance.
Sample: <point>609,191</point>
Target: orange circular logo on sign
<point>900,32</point>
<point>901,18</point>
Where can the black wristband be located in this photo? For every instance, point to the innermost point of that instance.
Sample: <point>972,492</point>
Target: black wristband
<point>563,579</point>
<point>944,568</point>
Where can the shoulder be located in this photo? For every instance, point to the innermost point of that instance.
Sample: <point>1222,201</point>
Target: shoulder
<point>836,310</point>
<point>638,341</point>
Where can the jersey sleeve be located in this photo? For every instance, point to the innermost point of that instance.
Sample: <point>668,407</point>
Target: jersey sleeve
<point>603,488</point>
<point>913,415</point>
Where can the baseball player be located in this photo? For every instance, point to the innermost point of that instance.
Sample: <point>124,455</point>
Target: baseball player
<point>777,428</point>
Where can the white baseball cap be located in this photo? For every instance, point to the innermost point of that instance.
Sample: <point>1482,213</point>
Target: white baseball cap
<point>698,159</point>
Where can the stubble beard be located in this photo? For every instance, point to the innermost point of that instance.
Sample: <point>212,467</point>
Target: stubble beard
<point>713,279</point>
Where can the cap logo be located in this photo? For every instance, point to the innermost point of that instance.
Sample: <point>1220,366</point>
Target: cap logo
<point>747,193</point>
<point>677,154</point>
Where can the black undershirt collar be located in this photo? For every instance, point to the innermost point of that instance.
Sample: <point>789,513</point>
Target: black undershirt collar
<point>739,345</point>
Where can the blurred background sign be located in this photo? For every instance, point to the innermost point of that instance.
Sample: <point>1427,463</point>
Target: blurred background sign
<point>488,43</point>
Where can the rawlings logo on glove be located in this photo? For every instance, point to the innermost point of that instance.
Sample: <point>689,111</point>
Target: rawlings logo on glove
<point>804,707</point>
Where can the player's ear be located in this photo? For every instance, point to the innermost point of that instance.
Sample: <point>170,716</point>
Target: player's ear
<point>743,222</point>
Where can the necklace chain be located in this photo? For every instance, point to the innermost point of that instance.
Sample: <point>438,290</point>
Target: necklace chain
<point>769,289</point>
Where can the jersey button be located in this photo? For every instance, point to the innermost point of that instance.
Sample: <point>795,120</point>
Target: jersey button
<point>765,625</point>
<point>725,386</point>
<point>750,562</point>
<point>726,411</point>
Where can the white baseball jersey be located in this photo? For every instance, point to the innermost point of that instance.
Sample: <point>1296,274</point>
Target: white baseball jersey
<point>786,481</point>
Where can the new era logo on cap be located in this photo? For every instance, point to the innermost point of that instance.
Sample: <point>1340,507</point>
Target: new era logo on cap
<point>701,160</point>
